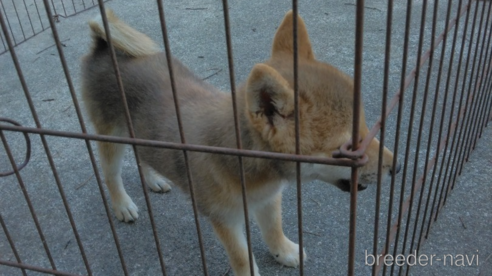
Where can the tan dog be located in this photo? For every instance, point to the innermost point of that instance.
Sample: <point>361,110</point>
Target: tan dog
<point>266,106</point>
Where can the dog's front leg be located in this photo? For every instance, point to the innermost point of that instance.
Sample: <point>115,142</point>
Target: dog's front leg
<point>232,238</point>
<point>269,218</point>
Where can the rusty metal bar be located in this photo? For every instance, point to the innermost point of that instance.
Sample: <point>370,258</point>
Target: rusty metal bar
<point>434,109</point>
<point>28,149</point>
<point>73,5</point>
<point>486,110</point>
<point>462,111</point>
<point>449,184</point>
<point>230,59</point>
<point>478,83</point>
<point>45,146</point>
<point>420,132</point>
<point>37,268</point>
<point>26,196</point>
<point>297,135</point>
<point>463,148</point>
<point>9,239</point>
<point>472,126</point>
<point>84,130</point>
<point>398,96</point>
<point>63,6</point>
<point>452,126</point>
<point>131,132</point>
<point>54,7</point>
<point>190,147</point>
<point>39,16</point>
<point>28,16</point>
<point>449,127</point>
<point>181,132</point>
<point>18,19</point>
<point>8,22</point>
<point>359,38</point>
<point>387,57</point>
<point>422,115</point>
<point>484,104</point>
<point>3,44</point>
<point>344,150</point>
<point>392,229</point>
<point>473,98</point>
<point>32,24</point>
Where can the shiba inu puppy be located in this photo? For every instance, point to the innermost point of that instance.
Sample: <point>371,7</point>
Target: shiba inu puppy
<point>266,115</point>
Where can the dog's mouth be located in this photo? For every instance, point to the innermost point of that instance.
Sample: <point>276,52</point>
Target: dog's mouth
<point>345,184</point>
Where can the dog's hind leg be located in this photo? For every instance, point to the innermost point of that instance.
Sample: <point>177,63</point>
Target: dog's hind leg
<point>269,218</point>
<point>154,180</point>
<point>111,155</point>
<point>232,238</point>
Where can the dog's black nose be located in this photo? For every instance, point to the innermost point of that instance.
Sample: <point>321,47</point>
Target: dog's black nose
<point>398,168</point>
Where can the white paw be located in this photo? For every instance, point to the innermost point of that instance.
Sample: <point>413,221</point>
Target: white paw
<point>125,209</point>
<point>158,185</point>
<point>155,181</point>
<point>288,253</point>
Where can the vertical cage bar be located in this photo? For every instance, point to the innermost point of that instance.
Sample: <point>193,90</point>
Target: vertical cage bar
<point>3,43</point>
<point>422,115</point>
<point>74,8</point>
<point>465,112</point>
<point>434,215</point>
<point>359,37</point>
<point>434,110</point>
<point>84,130</point>
<point>18,19</point>
<point>39,15</point>
<point>486,108</point>
<point>484,102</point>
<point>162,20</point>
<point>485,72</point>
<point>4,226</point>
<point>398,126</point>
<point>63,6</point>
<point>26,195</point>
<point>8,23</point>
<point>419,204</point>
<point>420,132</point>
<point>297,134</point>
<point>471,111</point>
<point>28,16</point>
<point>230,59</point>
<point>478,85</point>
<point>459,114</point>
<point>460,108</point>
<point>387,58</point>
<point>131,133</point>
<point>459,111</point>
<point>45,146</point>
<point>54,7</point>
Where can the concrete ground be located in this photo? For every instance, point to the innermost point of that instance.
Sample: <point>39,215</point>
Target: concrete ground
<point>196,33</point>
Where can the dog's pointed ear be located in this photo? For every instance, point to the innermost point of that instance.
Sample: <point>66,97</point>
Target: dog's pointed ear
<point>269,99</point>
<point>284,38</point>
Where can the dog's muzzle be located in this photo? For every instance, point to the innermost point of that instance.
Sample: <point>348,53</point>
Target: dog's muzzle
<point>344,185</point>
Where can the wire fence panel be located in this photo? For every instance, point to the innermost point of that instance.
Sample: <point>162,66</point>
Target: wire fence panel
<point>424,92</point>
<point>27,18</point>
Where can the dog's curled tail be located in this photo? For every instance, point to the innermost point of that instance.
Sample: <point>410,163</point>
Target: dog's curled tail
<point>123,37</point>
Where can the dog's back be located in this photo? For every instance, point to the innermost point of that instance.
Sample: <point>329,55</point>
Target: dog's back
<point>144,74</point>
